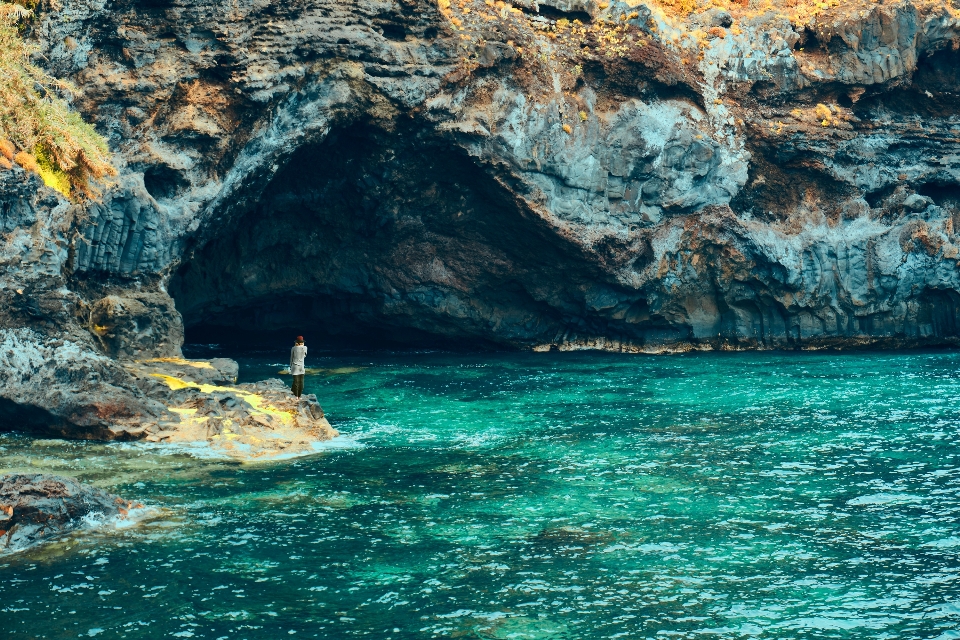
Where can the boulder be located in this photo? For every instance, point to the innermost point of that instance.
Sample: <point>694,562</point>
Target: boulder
<point>36,508</point>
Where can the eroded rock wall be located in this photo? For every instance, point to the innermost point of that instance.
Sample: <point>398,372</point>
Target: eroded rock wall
<point>551,175</point>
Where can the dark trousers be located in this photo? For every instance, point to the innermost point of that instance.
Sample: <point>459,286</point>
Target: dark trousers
<point>298,385</point>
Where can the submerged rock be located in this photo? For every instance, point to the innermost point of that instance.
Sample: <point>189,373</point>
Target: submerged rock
<point>36,508</point>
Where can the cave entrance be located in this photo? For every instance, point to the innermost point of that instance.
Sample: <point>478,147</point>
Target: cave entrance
<point>378,237</point>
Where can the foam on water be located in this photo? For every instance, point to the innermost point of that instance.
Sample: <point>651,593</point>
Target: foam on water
<point>206,451</point>
<point>96,520</point>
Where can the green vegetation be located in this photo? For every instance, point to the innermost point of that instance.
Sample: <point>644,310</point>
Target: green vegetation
<point>52,140</point>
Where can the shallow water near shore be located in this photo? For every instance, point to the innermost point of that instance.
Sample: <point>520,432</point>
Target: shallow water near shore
<point>577,495</point>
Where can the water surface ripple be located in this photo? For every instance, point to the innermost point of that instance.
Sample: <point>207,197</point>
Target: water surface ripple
<point>536,496</point>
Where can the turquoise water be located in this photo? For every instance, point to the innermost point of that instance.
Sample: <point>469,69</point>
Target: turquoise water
<point>536,496</point>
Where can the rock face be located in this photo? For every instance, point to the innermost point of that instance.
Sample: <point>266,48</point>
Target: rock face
<point>35,508</point>
<point>565,174</point>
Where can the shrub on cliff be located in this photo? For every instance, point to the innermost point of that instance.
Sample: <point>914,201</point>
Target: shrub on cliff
<point>53,140</point>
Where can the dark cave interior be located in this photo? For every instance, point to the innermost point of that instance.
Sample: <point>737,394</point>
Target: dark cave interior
<point>387,238</point>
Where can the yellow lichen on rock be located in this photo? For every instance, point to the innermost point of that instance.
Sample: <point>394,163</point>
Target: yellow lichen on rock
<point>199,364</point>
<point>823,112</point>
<point>257,403</point>
<point>260,420</point>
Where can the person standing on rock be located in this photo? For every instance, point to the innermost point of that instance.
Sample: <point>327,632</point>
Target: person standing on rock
<point>297,355</point>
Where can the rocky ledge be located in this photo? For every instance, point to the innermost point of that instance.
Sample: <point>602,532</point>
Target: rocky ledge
<point>36,508</point>
<point>248,421</point>
<point>631,175</point>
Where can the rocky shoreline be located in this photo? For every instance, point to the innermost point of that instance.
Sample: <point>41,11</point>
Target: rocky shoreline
<point>192,402</point>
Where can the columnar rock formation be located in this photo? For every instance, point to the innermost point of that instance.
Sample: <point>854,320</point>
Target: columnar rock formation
<point>551,175</point>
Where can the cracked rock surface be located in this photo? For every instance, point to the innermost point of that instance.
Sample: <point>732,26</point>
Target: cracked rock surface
<point>550,175</point>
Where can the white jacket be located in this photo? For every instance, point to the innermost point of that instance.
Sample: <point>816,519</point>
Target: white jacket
<point>297,354</point>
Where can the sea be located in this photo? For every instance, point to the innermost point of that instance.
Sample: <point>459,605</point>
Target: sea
<point>574,495</point>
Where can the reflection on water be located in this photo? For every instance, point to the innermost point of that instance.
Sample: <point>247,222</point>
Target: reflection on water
<point>536,496</point>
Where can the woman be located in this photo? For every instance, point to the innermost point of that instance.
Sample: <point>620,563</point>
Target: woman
<point>297,355</point>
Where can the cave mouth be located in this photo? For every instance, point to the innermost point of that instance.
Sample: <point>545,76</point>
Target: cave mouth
<point>383,239</point>
<point>363,338</point>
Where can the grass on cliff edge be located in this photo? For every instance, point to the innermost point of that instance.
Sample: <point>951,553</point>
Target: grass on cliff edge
<point>38,130</point>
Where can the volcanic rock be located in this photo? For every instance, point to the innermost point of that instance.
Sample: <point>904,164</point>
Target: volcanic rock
<point>36,508</point>
<point>251,420</point>
<point>629,176</point>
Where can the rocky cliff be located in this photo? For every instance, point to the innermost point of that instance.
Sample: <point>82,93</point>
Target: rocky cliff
<point>637,176</point>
